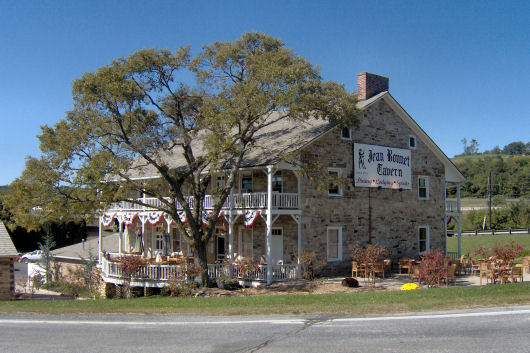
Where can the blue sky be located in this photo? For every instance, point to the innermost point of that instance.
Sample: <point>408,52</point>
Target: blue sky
<point>460,68</point>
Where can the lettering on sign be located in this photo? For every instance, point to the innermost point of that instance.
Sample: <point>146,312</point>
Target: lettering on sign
<point>381,166</point>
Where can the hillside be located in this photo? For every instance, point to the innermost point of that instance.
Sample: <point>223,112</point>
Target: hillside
<point>510,174</point>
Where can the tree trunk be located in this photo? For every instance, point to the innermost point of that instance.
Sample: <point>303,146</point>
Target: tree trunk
<point>201,260</point>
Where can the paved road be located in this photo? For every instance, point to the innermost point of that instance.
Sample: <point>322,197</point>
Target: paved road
<point>484,330</point>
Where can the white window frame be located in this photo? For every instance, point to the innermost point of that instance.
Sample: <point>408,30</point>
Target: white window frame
<point>427,238</point>
<point>415,142</point>
<point>349,133</point>
<point>339,244</point>
<point>240,244</point>
<point>426,178</point>
<point>220,233</point>
<point>339,187</point>
<point>159,240</point>
<point>251,181</point>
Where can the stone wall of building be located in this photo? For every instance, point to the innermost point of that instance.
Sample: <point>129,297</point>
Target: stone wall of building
<point>393,215</point>
<point>7,278</point>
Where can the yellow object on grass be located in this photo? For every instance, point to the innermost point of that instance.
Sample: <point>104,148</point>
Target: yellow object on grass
<point>410,286</point>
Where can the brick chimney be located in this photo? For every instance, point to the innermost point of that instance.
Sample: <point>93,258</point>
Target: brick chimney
<point>368,85</point>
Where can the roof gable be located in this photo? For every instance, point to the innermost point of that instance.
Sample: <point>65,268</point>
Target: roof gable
<point>6,245</point>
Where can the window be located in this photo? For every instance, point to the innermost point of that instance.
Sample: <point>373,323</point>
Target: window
<point>246,182</point>
<point>423,238</point>
<point>412,142</point>
<point>159,242</point>
<point>334,246</point>
<point>220,183</point>
<point>345,133</point>
<point>334,185</point>
<point>277,182</point>
<point>423,188</point>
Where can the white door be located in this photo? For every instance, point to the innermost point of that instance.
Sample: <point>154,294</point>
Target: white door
<point>277,245</point>
<point>245,243</point>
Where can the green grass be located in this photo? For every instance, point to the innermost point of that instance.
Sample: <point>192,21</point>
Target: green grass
<point>355,303</point>
<point>470,242</point>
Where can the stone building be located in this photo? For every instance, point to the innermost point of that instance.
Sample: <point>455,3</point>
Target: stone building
<point>7,273</point>
<point>390,190</point>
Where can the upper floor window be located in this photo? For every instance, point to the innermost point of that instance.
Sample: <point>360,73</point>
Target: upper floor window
<point>277,182</point>
<point>246,182</point>
<point>423,238</point>
<point>412,142</point>
<point>220,183</point>
<point>346,133</point>
<point>423,188</point>
<point>334,185</point>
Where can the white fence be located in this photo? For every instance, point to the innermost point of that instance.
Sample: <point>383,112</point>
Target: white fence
<point>238,201</point>
<point>164,273</point>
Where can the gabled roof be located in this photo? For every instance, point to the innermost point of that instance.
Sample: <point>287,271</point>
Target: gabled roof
<point>290,135</point>
<point>6,245</point>
<point>88,247</point>
<point>452,173</point>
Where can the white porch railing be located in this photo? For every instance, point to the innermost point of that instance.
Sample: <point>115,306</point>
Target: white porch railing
<point>451,206</point>
<point>164,273</point>
<point>238,201</point>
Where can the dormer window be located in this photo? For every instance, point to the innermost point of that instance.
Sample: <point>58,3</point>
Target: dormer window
<point>346,133</point>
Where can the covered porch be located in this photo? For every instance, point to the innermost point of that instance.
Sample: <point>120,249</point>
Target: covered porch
<point>263,226</point>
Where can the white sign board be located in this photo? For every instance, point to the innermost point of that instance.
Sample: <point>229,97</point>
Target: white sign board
<point>381,166</point>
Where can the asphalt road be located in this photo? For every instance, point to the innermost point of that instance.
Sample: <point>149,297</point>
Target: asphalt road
<point>484,330</point>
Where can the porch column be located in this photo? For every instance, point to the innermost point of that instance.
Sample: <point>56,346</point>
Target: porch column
<point>446,218</point>
<point>142,245</point>
<point>100,240</point>
<point>269,224</point>
<point>231,226</point>
<point>459,220</point>
<point>120,236</point>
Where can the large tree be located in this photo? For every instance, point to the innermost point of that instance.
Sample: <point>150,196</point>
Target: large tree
<point>136,117</point>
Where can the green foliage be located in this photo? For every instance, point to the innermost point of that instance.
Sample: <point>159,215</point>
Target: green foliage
<point>67,288</point>
<point>134,117</point>
<point>515,215</point>
<point>510,175</point>
<point>46,259</point>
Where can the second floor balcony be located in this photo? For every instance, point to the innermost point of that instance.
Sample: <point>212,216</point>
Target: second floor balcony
<point>257,200</point>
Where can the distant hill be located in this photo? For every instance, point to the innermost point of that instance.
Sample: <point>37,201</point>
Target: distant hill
<point>3,188</point>
<point>510,174</point>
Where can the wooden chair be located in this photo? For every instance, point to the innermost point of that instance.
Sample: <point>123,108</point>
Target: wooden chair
<point>517,273</point>
<point>356,268</point>
<point>414,273</point>
<point>486,271</point>
<point>379,268</point>
<point>388,266</point>
<point>451,274</point>
<point>404,263</point>
<point>475,266</point>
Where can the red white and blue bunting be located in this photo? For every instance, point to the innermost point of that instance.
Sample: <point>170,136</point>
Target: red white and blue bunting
<point>251,217</point>
<point>107,219</point>
<point>206,215</point>
<point>182,217</point>
<point>155,217</point>
<point>128,218</point>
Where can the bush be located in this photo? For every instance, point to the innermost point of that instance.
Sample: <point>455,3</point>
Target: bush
<point>433,267</point>
<point>350,282</point>
<point>67,288</point>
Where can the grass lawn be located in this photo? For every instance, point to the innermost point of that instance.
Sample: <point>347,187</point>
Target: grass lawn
<point>470,242</point>
<point>355,303</point>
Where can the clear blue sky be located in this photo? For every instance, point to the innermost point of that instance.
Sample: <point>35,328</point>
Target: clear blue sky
<point>460,68</point>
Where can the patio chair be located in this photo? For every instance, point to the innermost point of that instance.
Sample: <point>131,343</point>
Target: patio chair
<point>475,266</point>
<point>405,263</point>
<point>486,271</point>
<point>379,268</point>
<point>451,274</point>
<point>356,268</point>
<point>414,273</point>
<point>517,272</point>
<point>388,266</point>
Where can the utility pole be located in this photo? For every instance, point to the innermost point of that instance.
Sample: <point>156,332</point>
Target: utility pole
<point>489,197</point>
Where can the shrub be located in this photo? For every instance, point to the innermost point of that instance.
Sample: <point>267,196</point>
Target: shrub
<point>369,255</point>
<point>350,282</point>
<point>433,267</point>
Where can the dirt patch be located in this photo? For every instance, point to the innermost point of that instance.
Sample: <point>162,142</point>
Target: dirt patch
<point>318,286</point>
